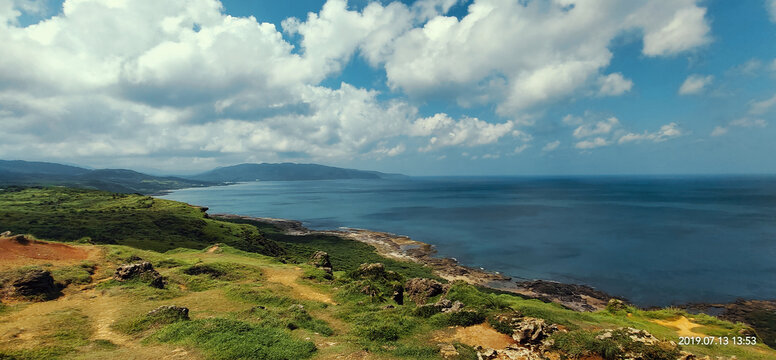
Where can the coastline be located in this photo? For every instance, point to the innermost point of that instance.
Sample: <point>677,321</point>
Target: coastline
<point>400,247</point>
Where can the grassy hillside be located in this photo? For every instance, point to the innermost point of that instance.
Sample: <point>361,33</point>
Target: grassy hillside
<point>246,305</point>
<point>144,222</point>
<point>26,173</point>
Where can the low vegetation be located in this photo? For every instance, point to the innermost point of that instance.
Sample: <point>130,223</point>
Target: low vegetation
<point>267,302</point>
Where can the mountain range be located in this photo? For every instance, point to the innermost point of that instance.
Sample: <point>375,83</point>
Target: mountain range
<point>29,173</point>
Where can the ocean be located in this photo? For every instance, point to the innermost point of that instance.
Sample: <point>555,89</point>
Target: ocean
<point>656,241</point>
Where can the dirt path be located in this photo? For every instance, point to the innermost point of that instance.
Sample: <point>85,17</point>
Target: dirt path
<point>104,312</point>
<point>683,326</point>
<point>483,335</point>
<point>289,276</point>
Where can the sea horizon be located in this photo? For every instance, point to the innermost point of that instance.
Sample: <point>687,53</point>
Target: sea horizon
<point>530,230</point>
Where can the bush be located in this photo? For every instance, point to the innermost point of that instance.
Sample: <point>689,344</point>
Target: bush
<point>465,318</point>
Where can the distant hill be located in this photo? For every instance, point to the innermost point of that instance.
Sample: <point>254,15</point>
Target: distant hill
<point>286,172</point>
<point>27,173</point>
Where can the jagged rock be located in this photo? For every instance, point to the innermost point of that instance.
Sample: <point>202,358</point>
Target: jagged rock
<point>21,239</point>
<point>532,331</point>
<point>170,311</point>
<point>447,306</point>
<point>636,335</point>
<point>143,271</point>
<point>35,284</point>
<point>509,353</point>
<point>6,234</point>
<point>321,260</point>
<point>448,351</point>
<point>420,289</point>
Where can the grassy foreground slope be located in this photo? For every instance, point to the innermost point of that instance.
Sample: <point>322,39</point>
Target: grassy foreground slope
<point>257,298</point>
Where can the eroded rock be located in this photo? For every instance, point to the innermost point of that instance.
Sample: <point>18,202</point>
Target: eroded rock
<point>420,289</point>
<point>321,260</point>
<point>532,331</point>
<point>35,284</point>
<point>143,271</point>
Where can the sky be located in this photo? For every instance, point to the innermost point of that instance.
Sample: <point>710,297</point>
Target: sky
<point>425,87</point>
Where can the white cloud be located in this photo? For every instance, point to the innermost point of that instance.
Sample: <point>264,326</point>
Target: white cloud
<point>694,84</point>
<point>519,54</point>
<point>572,120</point>
<point>614,84</point>
<point>771,6</point>
<point>744,122</point>
<point>592,144</point>
<point>112,80</point>
<point>599,128</point>
<point>551,146</point>
<point>719,131</point>
<point>666,132</point>
<point>610,131</point>
<point>763,106</point>
<point>521,148</point>
<point>444,131</point>
<point>749,123</point>
<point>687,29</point>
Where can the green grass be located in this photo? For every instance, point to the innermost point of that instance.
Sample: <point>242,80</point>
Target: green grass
<point>345,255</point>
<point>77,274</point>
<point>139,221</point>
<point>225,339</point>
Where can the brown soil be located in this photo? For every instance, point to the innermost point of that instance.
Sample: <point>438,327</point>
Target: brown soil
<point>683,326</point>
<point>483,335</point>
<point>289,277</point>
<point>14,252</point>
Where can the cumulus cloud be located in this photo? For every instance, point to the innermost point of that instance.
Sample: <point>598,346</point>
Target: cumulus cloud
<point>519,54</point>
<point>694,84</point>
<point>182,79</point>
<point>444,131</point>
<point>614,84</point>
<point>592,143</point>
<point>598,128</point>
<point>771,6</point>
<point>610,131</point>
<point>666,132</point>
<point>551,146</point>
<point>719,131</point>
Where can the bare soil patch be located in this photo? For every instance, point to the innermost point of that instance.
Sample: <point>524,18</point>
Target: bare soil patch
<point>16,250</point>
<point>483,335</point>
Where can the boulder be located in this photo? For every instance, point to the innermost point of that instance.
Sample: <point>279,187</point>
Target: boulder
<point>321,260</point>
<point>398,294</point>
<point>375,271</point>
<point>35,284</point>
<point>448,351</point>
<point>170,312</point>
<point>420,289</point>
<point>143,271</point>
<point>5,234</point>
<point>532,331</point>
<point>447,306</point>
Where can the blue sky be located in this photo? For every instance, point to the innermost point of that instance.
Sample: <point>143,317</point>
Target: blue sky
<point>427,87</point>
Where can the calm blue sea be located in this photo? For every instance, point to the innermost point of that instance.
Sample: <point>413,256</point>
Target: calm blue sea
<point>653,240</point>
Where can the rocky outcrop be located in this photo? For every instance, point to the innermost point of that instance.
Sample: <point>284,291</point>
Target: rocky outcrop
<point>143,271</point>
<point>171,312</point>
<point>35,284</point>
<point>511,352</point>
<point>420,289</point>
<point>532,331</point>
<point>398,294</point>
<point>321,260</point>
<point>447,306</point>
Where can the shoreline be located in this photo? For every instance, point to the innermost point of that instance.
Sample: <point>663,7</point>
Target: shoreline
<point>399,247</point>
